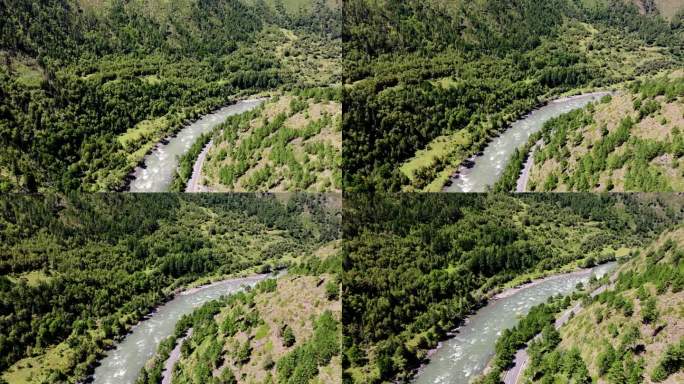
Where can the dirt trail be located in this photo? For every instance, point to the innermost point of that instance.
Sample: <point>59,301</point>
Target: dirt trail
<point>167,373</point>
<point>513,375</point>
<point>524,178</point>
<point>194,184</point>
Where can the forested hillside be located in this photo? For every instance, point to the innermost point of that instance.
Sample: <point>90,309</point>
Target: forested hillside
<point>631,333</point>
<point>76,272</point>
<point>286,331</point>
<point>631,141</point>
<point>292,143</point>
<point>87,88</point>
<point>416,264</point>
<point>430,83</point>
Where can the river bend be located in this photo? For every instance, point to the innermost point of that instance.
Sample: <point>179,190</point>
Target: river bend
<point>123,364</point>
<point>489,167</point>
<point>464,357</point>
<point>159,166</point>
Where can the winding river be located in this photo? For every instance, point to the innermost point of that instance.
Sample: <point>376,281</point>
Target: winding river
<point>489,167</point>
<point>463,357</point>
<point>159,166</point>
<point>123,364</point>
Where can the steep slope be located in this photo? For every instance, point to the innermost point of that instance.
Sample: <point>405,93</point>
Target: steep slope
<point>629,142</point>
<point>291,143</point>
<point>631,333</point>
<point>276,333</point>
<point>286,330</point>
<point>417,264</point>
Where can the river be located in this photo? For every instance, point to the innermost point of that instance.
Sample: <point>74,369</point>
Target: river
<point>160,165</point>
<point>463,357</point>
<point>123,364</point>
<point>489,167</point>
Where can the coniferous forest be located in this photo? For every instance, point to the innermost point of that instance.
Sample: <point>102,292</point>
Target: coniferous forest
<point>303,152</point>
<point>422,73</point>
<point>78,271</point>
<point>87,88</point>
<point>416,265</point>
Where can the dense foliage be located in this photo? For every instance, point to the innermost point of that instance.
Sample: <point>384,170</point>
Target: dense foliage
<point>85,91</point>
<point>417,70</point>
<point>416,265</point>
<point>83,269</point>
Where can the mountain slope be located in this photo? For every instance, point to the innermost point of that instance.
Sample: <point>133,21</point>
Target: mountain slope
<point>286,330</point>
<point>276,333</point>
<point>295,144</point>
<point>68,29</point>
<point>78,272</point>
<point>624,334</point>
<point>629,142</point>
<point>424,73</point>
<point>417,264</point>
<point>88,88</point>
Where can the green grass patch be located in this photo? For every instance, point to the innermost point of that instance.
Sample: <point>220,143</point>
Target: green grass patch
<point>151,79</point>
<point>32,278</point>
<point>445,82</point>
<point>142,130</point>
<point>262,332</point>
<point>622,252</point>
<point>33,369</point>
<point>438,183</point>
<point>441,146</point>
<point>28,76</point>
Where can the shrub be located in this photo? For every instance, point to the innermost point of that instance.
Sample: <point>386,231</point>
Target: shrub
<point>332,290</point>
<point>650,311</point>
<point>288,336</point>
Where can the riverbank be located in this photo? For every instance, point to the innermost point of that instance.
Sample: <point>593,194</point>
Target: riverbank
<point>154,172</point>
<point>482,324</point>
<point>486,165</point>
<point>512,375</point>
<point>167,372</point>
<point>165,136</point>
<point>108,345</point>
<point>508,292</point>
<point>194,289</point>
<point>125,359</point>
